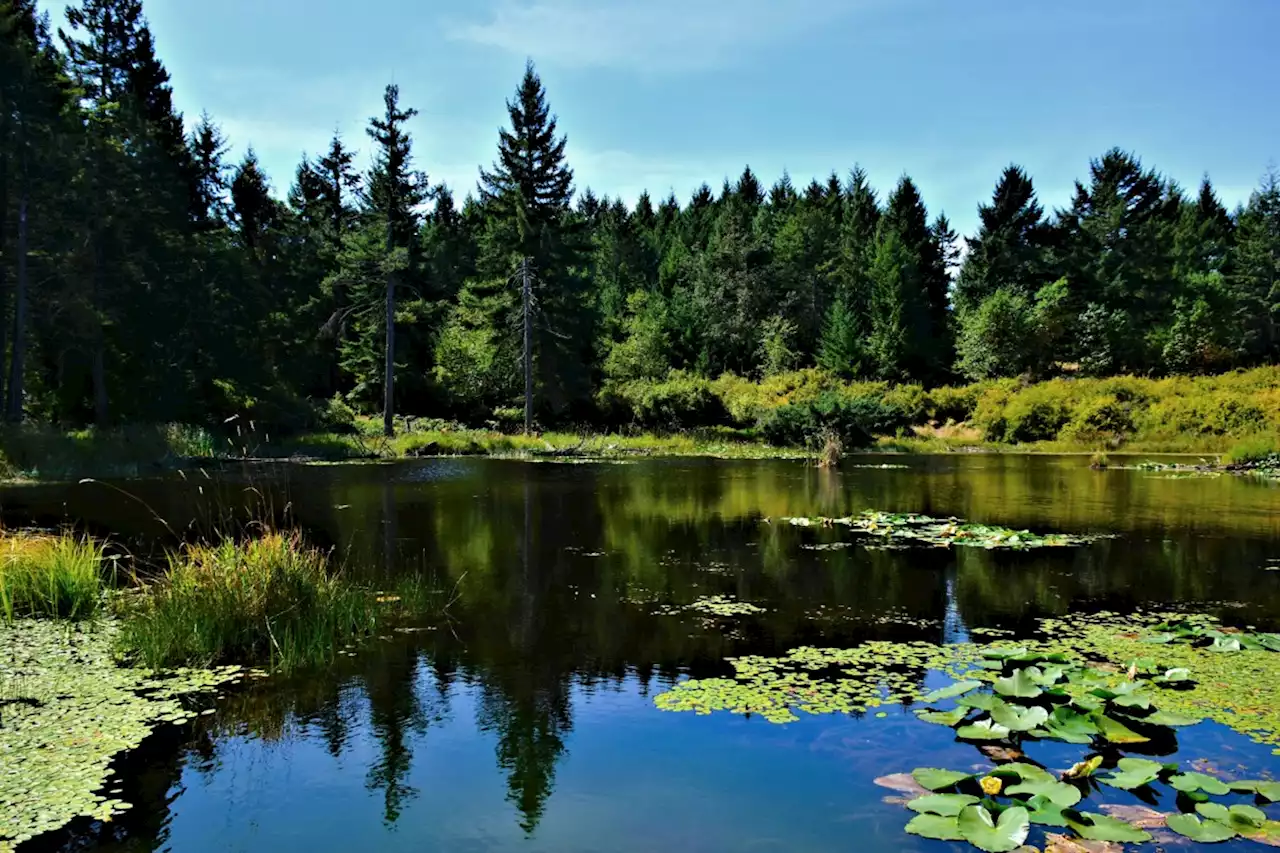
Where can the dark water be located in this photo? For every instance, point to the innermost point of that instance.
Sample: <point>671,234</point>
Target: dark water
<point>527,723</point>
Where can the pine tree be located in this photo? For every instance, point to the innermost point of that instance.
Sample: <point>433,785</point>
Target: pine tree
<point>1255,272</point>
<point>208,149</point>
<point>1009,250</point>
<point>927,353</point>
<point>841,349</point>
<point>895,309</point>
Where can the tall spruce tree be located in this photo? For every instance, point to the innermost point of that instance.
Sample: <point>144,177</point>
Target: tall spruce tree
<point>1009,250</point>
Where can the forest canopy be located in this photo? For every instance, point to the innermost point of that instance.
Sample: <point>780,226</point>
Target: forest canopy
<point>145,278</point>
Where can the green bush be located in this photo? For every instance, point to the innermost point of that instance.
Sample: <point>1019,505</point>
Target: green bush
<point>1254,450</point>
<point>854,421</point>
<point>1099,417</point>
<point>953,404</point>
<point>681,401</point>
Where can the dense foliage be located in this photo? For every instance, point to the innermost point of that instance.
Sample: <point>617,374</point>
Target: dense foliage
<point>145,278</point>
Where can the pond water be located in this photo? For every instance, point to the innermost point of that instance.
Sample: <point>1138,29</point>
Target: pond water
<point>527,722</point>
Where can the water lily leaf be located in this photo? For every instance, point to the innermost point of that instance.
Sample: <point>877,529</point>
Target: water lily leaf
<point>1268,833</point>
<point>1269,791</point>
<point>1133,700</point>
<point>1002,835</point>
<point>1115,731</point>
<point>1097,827</point>
<point>958,689</point>
<point>1206,832</point>
<point>1069,725</point>
<point>1192,781</point>
<point>1161,639</point>
<point>936,827</point>
<point>1174,676</point>
<point>946,805</point>
<point>1243,819</point>
<point>983,730</point>
<point>1022,684</point>
<point>1004,654</point>
<point>938,780</point>
<point>1170,718</point>
<point>1215,811</point>
<point>981,701</point>
<point>1018,719</point>
<point>1060,793</point>
<point>944,718</point>
<point>1045,812</point>
<point>1225,644</point>
<point>1133,773</point>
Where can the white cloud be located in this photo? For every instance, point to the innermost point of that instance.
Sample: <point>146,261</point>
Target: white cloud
<point>657,35</point>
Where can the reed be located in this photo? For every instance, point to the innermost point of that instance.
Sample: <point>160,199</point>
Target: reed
<point>59,576</point>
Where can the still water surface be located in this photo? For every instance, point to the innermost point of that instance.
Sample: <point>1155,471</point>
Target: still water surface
<point>527,723</point>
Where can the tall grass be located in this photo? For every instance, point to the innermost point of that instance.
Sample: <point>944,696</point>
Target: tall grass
<point>53,576</point>
<point>270,599</point>
<point>48,452</point>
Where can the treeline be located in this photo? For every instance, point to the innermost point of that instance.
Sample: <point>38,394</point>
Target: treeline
<point>146,278</point>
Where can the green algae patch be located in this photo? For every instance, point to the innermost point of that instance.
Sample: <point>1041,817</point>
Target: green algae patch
<point>904,530</point>
<point>714,605</point>
<point>66,710</point>
<point>819,681</point>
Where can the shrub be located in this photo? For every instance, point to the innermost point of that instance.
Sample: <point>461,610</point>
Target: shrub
<point>910,402</point>
<point>1035,417</point>
<point>1254,450</point>
<point>1098,417</point>
<point>680,401</point>
<point>953,404</point>
<point>338,416</point>
<point>852,421</point>
<point>54,576</point>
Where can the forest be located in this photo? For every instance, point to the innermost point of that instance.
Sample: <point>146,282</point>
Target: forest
<point>144,278</point>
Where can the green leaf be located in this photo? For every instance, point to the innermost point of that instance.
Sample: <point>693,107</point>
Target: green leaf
<point>944,718</point>
<point>1018,719</point>
<point>958,689</point>
<point>1023,772</point>
<point>1174,676</point>
<point>1060,793</point>
<point>936,827</point>
<point>1004,654</point>
<point>1192,781</point>
<point>1097,827</point>
<point>1225,644</point>
<point>1069,725</point>
<point>947,805</point>
<point>938,780</point>
<point>1170,718</point>
<point>1115,731</point>
<point>1206,832</point>
<point>1045,812</point>
<point>1007,833</point>
<point>1133,773</point>
<point>981,701</point>
<point>1022,684</point>
<point>1269,791</point>
<point>982,730</point>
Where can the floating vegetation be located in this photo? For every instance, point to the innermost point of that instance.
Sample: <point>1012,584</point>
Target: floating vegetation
<point>66,709</point>
<point>816,681</point>
<point>1239,690</point>
<point>888,530</point>
<point>714,605</point>
<point>1200,632</point>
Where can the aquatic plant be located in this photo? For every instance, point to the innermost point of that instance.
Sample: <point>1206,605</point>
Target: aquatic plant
<point>1197,632</point>
<point>58,576</point>
<point>887,530</point>
<point>268,599</point>
<point>714,605</point>
<point>66,709</point>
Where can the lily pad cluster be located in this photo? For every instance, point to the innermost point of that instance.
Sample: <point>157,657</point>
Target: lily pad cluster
<point>1048,696</point>
<point>66,709</point>
<point>890,530</point>
<point>815,681</point>
<point>1198,632</point>
<point>714,605</point>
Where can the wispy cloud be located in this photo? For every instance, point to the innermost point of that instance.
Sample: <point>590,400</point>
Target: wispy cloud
<point>650,35</point>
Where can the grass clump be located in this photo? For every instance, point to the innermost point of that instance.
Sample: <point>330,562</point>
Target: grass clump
<point>271,599</point>
<point>58,576</point>
<point>1263,449</point>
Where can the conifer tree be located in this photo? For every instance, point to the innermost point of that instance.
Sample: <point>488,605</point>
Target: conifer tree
<point>1009,250</point>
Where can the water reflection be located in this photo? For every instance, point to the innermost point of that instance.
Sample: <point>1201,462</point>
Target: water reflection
<point>537,691</point>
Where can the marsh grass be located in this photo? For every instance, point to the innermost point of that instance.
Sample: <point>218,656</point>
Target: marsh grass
<point>58,576</point>
<point>270,599</point>
<point>45,452</point>
<point>1259,449</point>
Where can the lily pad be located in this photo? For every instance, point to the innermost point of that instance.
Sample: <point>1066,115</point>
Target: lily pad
<point>1021,684</point>
<point>1018,719</point>
<point>938,780</point>
<point>1068,725</point>
<point>936,827</point>
<point>1045,812</point>
<point>1098,827</point>
<point>1133,773</point>
<point>1192,781</point>
<point>1204,831</point>
<point>1269,791</point>
<point>1002,835</point>
<point>951,692</point>
<point>1116,731</point>
<point>946,805</point>
<point>981,701</point>
<point>1059,793</point>
<point>983,730</point>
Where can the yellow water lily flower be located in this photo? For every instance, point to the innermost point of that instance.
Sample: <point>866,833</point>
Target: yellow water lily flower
<point>991,785</point>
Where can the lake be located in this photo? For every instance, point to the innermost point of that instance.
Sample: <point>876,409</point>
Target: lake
<point>526,721</point>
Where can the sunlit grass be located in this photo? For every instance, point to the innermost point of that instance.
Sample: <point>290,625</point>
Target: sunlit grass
<point>58,576</point>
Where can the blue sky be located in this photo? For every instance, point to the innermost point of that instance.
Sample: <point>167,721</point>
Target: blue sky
<point>666,94</point>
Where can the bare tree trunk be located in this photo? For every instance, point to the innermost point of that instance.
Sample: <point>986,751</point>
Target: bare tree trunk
<point>526,294</point>
<point>17,367</point>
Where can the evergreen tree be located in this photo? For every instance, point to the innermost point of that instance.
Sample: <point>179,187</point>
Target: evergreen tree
<point>1009,251</point>
<point>1255,272</point>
